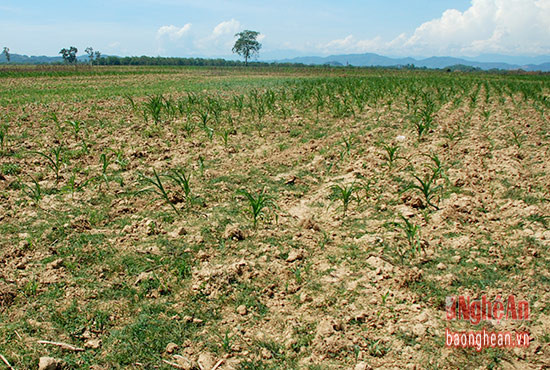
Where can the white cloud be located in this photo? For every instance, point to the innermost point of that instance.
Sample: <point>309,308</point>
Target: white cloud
<point>228,27</point>
<point>489,26</point>
<point>350,44</point>
<point>220,40</point>
<point>173,32</point>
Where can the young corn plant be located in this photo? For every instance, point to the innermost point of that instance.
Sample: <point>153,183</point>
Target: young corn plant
<point>34,192</point>
<point>259,204</point>
<point>183,180</point>
<point>3,137</point>
<point>104,161</point>
<point>53,160</point>
<point>158,188</point>
<point>74,186</point>
<point>75,125</point>
<point>201,165</point>
<point>517,137</point>
<point>153,107</point>
<point>367,187</point>
<point>427,187</point>
<point>424,120</point>
<point>345,194</point>
<point>412,233</point>
<point>131,101</point>
<point>348,143</point>
<point>391,154</point>
<point>224,134</point>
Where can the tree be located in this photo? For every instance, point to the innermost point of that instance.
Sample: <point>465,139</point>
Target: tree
<point>247,45</point>
<point>97,57</point>
<point>90,51</point>
<point>6,52</point>
<point>69,55</point>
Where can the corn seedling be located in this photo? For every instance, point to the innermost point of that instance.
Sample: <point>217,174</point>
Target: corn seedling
<point>104,161</point>
<point>209,132</point>
<point>204,118</point>
<point>33,191</point>
<point>517,137</point>
<point>486,114</point>
<point>158,188</point>
<point>75,126</point>
<point>427,187</point>
<point>53,116</point>
<point>348,143</point>
<point>119,158</point>
<point>385,297</point>
<point>201,165</point>
<point>153,107</point>
<point>72,184</point>
<point>180,178</point>
<point>3,137</point>
<point>412,233</point>
<point>130,100</point>
<point>424,119</point>
<point>53,160</point>
<point>225,137</point>
<point>258,204</point>
<point>343,193</point>
<point>391,154</point>
<point>366,186</point>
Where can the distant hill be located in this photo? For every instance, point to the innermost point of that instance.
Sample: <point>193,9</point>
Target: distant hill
<point>42,59</point>
<point>375,60</point>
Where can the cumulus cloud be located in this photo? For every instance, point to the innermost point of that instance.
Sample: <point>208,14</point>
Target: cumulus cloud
<point>173,32</point>
<point>228,27</point>
<point>220,40</point>
<point>487,26</point>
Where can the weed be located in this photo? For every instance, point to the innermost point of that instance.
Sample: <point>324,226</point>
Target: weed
<point>10,169</point>
<point>226,340</point>
<point>376,348</point>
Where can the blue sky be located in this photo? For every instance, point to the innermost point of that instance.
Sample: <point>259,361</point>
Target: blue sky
<point>206,28</point>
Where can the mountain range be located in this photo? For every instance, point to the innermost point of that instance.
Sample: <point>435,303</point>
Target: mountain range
<point>359,60</point>
<point>372,60</point>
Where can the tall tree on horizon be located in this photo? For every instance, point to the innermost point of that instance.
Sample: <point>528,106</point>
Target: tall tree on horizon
<point>69,55</point>
<point>246,45</point>
<point>6,52</point>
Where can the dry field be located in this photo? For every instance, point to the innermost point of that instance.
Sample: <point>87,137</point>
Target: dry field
<point>269,218</point>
